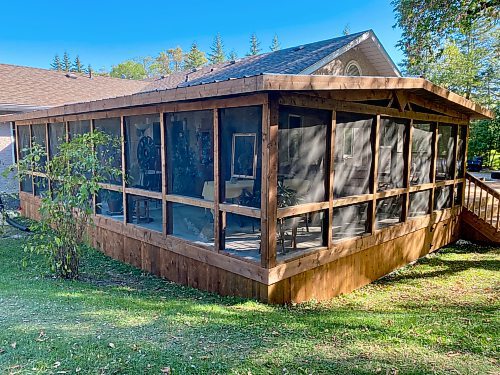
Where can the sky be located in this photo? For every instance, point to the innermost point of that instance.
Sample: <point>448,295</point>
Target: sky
<point>105,33</point>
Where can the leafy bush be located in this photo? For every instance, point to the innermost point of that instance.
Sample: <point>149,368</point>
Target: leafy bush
<point>66,212</point>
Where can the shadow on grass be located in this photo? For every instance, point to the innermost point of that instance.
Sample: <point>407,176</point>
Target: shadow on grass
<point>176,323</point>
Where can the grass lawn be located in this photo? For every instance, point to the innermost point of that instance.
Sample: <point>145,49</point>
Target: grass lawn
<point>440,315</point>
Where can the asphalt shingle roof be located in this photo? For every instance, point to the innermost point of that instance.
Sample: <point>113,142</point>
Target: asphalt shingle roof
<point>22,85</point>
<point>286,61</point>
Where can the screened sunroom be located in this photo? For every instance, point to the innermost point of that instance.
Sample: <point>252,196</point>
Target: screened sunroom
<point>275,187</point>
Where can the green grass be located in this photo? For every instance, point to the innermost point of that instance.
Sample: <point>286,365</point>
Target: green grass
<point>437,316</point>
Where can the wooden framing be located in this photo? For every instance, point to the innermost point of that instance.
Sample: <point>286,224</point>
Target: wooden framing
<point>274,278</point>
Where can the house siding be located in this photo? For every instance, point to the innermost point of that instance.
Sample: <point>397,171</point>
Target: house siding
<point>337,66</point>
<point>7,184</point>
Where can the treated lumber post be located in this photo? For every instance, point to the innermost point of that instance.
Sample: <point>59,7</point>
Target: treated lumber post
<point>407,168</point>
<point>434,162</point>
<point>269,189</point>
<point>124,169</point>
<point>331,179</point>
<point>374,174</point>
<point>218,232</point>
<point>163,157</point>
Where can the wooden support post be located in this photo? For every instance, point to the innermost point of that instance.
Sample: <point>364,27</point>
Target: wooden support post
<point>374,174</point>
<point>464,164</point>
<point>434,163</point>
<point>94,198</point>
<point>66,131</point>
<point>47,152</point>
<point>219,234</point>
<point>407,150</point>
<point>124,168</point>
<point>331,179</point>
<point>456,129</point>
<point>269,189</point>
<point>163,173</point>
<point>31,145</point>
<point>18,145</point>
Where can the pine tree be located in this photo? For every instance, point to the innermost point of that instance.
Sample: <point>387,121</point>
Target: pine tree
<point>232,55</point>
<point>77,65</point>
<point>275,45</point>
<point>66,63</point>
<point>56,63</point>
<point>346,30</point>
<point>217,55</point>
<point>254,46</point>
<point>89,70</point>
<point>194,58</point>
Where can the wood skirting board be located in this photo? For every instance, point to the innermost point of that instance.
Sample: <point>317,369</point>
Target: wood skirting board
<point>319,275</point>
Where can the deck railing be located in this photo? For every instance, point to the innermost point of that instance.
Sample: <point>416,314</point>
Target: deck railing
<point>483,201</point>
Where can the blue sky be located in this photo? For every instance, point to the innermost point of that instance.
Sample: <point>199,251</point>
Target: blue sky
<point>105,33</point>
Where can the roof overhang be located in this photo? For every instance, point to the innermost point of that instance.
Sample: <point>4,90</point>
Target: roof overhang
<point>368,37</point>
<point>8,107</point>
<point>418,87</point>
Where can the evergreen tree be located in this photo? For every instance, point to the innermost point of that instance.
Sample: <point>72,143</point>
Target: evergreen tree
<point>66,63</point>
<point>346,30</point>
<point>275,45</point>
<point>56,63</point>
<point>89,70</point>
<point>254,46</point>
<point>217,54</point>
<point>77,65</point>
<point>232,55</point>
<point>194,58</point>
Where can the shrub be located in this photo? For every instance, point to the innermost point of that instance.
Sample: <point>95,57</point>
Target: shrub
<point>66,212</point>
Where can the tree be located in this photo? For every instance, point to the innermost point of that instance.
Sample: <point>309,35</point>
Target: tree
<point>177,59</point>
<point>454,43</point>
<point>161,65</point>
<point>217,51</point>
<point>232,55</point>
<point>66,214</point>
<point>194,58</point>
<point>66,63</point>
<point>77,65</point>
<point>89,70</point>
<point>484,140</point>
<point>346,30</point>
<point>56,63</point>
<point>129,69</point>
<point>275,44</point>
<point>426,25</point>
<point>254,46</point>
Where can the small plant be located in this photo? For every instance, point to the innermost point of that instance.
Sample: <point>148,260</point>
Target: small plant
<point>286,197</point>
<point>66,214</point>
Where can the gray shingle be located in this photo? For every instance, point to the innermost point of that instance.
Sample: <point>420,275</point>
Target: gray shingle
<point>286,61</point>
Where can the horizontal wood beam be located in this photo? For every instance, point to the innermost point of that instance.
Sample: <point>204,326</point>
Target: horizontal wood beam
<point>308,101</point>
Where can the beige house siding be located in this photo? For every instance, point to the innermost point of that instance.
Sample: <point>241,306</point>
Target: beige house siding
<point>337,66</point>
<point>6,159</point>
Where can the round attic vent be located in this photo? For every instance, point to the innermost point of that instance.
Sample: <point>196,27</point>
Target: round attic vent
<point>352,69</point>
